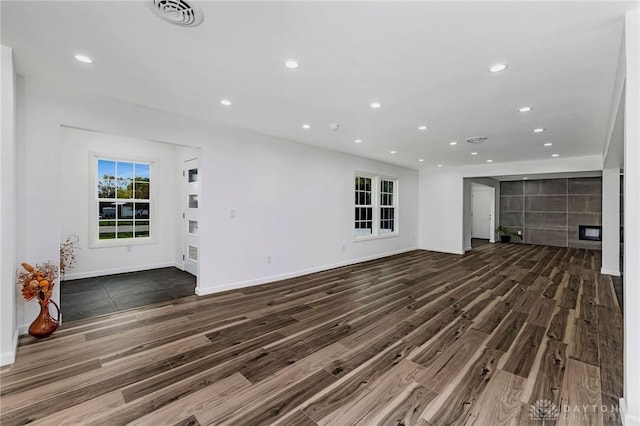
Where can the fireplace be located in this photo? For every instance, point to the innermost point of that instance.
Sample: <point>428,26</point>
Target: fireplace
<point>590,232</point>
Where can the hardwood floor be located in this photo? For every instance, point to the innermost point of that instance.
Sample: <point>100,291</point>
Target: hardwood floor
<point>421,338</point>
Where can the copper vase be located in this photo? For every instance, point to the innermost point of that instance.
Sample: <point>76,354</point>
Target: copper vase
<point>44,325</point>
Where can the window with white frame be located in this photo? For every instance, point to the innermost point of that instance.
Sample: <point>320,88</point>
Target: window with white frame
<point>387,206</point>
<point>376,210</point>
<point>123,201</point>
<point>364,207</point>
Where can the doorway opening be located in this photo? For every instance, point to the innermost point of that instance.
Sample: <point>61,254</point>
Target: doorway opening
<point>479,209</point>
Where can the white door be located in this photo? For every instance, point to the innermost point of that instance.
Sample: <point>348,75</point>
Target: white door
<point>481,201</point>
<point>190,216</point>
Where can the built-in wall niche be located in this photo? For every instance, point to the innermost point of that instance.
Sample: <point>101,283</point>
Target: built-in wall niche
<point>590,233</point>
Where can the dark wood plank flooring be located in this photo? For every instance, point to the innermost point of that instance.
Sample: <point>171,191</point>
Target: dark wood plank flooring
<point>421,338</point>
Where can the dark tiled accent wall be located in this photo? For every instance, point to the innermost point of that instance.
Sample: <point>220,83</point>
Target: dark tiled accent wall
<point>548,211</point>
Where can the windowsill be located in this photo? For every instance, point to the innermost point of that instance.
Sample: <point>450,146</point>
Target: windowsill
<point>376,237</point>
<point>122,242</point>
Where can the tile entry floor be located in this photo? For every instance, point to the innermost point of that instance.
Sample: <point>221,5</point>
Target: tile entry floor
<point>90,297</point>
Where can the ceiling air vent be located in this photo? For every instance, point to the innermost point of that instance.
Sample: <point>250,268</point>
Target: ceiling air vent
<point>476,139</point>
<point>177,12</point>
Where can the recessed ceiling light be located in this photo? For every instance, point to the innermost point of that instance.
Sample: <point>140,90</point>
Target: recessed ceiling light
<point>453,143</point>
<point>225,102</point>
<point>358,141</point>
<point>498,68</point>
<point>474,153</point>
<point>422,128</point>
<point>555,155</point>
<point>439,165</point>
<point>548,144</point>
<point>306,126</point>
<point>393,152</point>
<point>292,64</point>
<point>525,178</point>
<point>421,160</point>
<point>83,58</point>
<point>489,161</point>
<point>375,105</point>
<point>538,130</point>
<point>525,109</point>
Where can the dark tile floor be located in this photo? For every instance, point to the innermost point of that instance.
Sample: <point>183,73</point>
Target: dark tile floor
<point>478,242</point>
<point>90,297</point>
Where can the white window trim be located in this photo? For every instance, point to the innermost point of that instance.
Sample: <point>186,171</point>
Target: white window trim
<point>94,240</point>
<point>375,197</point>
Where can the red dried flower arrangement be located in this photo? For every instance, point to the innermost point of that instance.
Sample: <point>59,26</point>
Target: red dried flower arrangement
<point>38,281</point>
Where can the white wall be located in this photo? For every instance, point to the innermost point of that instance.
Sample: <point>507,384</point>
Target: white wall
<point>611,222</point>
<point>442,196</point>
<point>293,202</point>
<point>632,221</point>
<point>8,335</point>
<point>76,184</point>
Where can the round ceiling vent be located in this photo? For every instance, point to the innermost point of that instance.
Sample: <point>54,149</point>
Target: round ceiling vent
<point>177,12</point>
<point>476,139</point>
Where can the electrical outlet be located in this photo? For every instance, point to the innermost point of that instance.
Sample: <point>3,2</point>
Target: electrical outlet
<point>268,259</point>
<point>232,213</point>
<point>128,249</point>
<point>520,233</point>
<point>344,248</point>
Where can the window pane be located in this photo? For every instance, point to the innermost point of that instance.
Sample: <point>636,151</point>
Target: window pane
<point>193,227</point>
<point>107,229</point>
<point>193,175</point>
<point>142,172</point>
<point>125,210</point>
<point>124,170</point>
<point>106,210</point>
<point>124,190</point>
<point>106,187</point>
<point>192,253</point>
<point>193,201</point>
<point>106,169</point>
<point>141,190</point>
<point>141,228</point>
<point>142,210</point>
<point>390,186</point>
<point>125,229</point>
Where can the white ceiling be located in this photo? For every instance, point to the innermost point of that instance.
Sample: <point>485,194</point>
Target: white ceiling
<point>426,62</point>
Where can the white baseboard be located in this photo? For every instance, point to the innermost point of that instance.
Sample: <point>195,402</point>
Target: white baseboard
<point>264,280</point>
<point>179,265</point>
<point>9,357</point>
<point>441,250</point>
<point>101,272</point>
<point>606,271</point>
